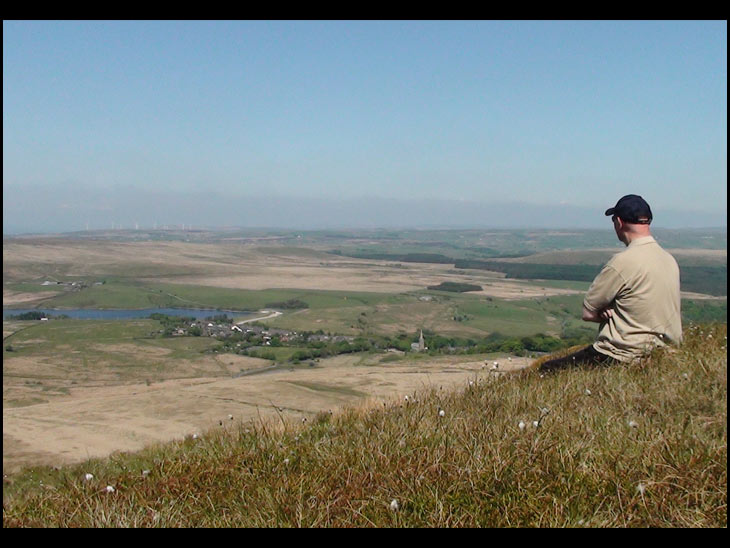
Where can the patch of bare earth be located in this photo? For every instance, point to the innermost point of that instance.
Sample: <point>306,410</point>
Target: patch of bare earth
<point>245,266</point>
<point>15,297</point>
<point>94,421</point>
<point>388,280</point>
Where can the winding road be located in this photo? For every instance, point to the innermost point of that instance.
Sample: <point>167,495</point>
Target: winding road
<point>272,315</point>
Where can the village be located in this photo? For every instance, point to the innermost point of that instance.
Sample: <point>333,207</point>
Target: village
<point>224,328</point>
<point>252,338</point>
<point>72,286</point>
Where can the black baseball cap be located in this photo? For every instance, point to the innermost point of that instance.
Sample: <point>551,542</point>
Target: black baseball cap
<point>632,209</point>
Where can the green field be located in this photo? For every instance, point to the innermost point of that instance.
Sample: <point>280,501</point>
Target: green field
<point>132,294</point>
<point>72,351</point>
<point>570,257</point>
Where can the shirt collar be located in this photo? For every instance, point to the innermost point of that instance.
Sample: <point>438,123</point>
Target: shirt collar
<point>642,241</point>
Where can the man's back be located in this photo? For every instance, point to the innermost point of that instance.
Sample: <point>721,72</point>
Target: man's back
<point>641,284</point>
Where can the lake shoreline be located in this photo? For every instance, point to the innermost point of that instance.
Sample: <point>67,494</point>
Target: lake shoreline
<point>122,313</point>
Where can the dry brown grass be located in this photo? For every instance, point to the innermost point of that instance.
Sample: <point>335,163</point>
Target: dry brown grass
<point>639,445</point>
<point>101,412</point>
<point>244,266</point>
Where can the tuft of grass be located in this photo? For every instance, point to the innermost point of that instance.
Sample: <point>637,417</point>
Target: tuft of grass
<point>554,355</point>
<point>635,445</point>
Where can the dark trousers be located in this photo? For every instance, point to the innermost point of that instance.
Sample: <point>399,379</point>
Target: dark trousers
<point>585,356</point>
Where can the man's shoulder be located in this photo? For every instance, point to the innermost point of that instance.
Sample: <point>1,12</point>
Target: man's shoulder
<point>644,250</point>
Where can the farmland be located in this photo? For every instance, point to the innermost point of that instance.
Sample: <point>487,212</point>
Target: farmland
<point>73,388</point>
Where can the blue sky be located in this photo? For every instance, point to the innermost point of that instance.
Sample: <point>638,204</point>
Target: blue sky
<point>550,113</point>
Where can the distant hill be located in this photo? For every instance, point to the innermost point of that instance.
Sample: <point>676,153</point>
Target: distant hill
<point>49,209</point>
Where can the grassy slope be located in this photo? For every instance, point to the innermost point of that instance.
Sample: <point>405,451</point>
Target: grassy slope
<point>637,445</point>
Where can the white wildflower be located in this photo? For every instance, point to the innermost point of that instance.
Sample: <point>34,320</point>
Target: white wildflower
<point>406,398</point>
<point>230,417</point>
<point>195,436</point>
<point>588,392</point>
<point>110,489</point>
<point>522,425</point>
<point>145,473</point>
<point>442,413</point>
<point>535,424</point>
<point>394,505</point>
<point>286,461</point>
<point>641,489</point>
<point>89,477</point>
<point>633,424</point>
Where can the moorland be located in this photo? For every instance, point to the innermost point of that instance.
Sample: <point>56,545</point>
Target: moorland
<point>349,306</point>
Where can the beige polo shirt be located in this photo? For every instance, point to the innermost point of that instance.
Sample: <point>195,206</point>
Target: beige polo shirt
<point>641,283</point>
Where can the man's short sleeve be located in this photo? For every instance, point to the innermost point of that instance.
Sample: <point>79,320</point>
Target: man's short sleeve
<point>604,289</point>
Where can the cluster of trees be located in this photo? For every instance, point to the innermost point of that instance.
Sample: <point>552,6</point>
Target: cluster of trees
<point>219,318</point>
<point>534,271</point>
<point>711,280</point>
<point>37,315</point>
<point>455,287</point>
<point>318,349</point>
<point>171,323</point>
<point>436,344</point>
<point>291,304</point>
<point>496,342</point>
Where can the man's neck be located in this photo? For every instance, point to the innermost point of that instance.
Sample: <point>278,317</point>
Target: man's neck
<point>639,231</point>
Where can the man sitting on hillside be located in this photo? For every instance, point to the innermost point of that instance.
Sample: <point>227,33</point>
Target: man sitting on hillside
<point>635,297</point>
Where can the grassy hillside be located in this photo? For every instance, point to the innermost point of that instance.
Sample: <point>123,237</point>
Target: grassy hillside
<point>641,445</point>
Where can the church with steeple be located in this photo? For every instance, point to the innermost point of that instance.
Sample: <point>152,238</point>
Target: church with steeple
<point>420,346</point>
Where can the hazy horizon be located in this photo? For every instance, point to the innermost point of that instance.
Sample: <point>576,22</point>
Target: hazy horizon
<point>77,208</point>
<point>361,123</point>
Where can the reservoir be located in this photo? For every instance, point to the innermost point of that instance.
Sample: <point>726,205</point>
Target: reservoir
<point>125,314</point>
